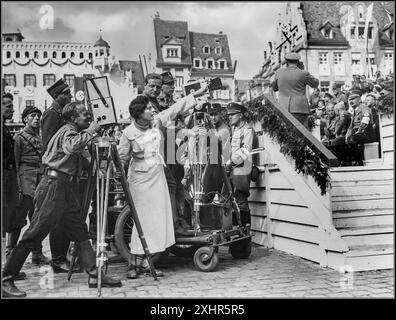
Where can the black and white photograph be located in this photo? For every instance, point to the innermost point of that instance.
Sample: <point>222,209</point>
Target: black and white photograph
<point>197,150</point>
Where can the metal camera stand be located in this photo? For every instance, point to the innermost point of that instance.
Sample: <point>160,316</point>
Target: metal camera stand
<point>106,160</point>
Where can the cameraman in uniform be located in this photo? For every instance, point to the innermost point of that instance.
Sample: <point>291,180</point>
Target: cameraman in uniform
<point>240,162</point>
<point>57,200</point>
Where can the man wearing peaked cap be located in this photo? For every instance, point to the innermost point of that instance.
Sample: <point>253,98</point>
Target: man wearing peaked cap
<point>291,83</point>
<point>28,149</point>
<point>51,121</point>
<point>240,160</point>
<point>213,180</point>
<point>165,99</point>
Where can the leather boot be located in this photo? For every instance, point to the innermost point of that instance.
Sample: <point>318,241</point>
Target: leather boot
<point>58,265</point>
<point>88,261</point>
<point>180,211</point>
<point>10,290</point>
<point>12,240</point>
<point>179,231</point>
<point>12,270</point>
<point>38,258</point>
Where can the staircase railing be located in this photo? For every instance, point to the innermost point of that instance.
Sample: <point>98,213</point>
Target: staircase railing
<point>310,155</point>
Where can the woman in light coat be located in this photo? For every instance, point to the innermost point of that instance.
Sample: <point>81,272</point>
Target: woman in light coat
<point>140,146</point>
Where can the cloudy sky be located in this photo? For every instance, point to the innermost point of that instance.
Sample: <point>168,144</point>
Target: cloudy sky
<point>128,26</point>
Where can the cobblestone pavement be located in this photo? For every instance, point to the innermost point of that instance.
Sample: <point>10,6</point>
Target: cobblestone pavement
<point>266,274</point>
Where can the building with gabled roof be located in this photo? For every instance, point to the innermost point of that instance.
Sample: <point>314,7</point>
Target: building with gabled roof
<point>330,37</point>
<point>193,55</point>
<point>29,68</point>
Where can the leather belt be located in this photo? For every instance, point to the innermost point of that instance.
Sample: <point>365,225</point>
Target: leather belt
<point>61,175</point>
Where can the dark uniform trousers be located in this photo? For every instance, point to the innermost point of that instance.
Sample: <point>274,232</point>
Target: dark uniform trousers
<point>56,204</point>
<point>241,185</point>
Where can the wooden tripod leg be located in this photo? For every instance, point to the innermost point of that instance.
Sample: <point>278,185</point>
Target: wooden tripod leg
<point>128,196</point>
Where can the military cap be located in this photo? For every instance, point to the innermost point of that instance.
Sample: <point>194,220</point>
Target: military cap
<point>30,110</point>
<point>372,94</point>
<point>167,78</point>
<point>214,108</point>
<point>328,94</point>
<point>292,56</point>
<point>336,85</point>
<point>356,91</point>
<point>353,96</point>
<point>233,108</point>
<point>57,88</point>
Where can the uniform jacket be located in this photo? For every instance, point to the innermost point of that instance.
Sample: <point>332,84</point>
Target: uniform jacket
<point>342,123</point>
<point>291,83</point>
<point>51,121</point>
<point>8,149</point>
<point>66,148</point>
<point>28,150</point>
<point>241,137</point>
<point>362,120</point>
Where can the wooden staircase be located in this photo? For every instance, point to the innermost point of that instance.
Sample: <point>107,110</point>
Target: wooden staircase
<point>363,214</point>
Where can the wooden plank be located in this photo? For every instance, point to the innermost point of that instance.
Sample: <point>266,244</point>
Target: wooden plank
<point>361,175</point>
<point>258,223</point>
<point>257,208</point>
<point>368,221</point>
<point>372,204</point>
<point>367,263</point>
<point>369,239</point>
<point>278,181</point>
<point>289,197</point>
<point>291,214</point>
<point>362,213</point>
<point>367,197</point>
<point>295,231</point>
<point>370,250</point>
<point>386,120</point>
<point>387,131</point>
<point>359,190</point>
<point>387,143</point>
<point>389,157</point>
<point>344,184</point>
<point>259,237</point>
<point>305,250</point>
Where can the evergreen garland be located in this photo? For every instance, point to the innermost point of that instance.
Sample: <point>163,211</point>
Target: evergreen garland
<point>292,144</point>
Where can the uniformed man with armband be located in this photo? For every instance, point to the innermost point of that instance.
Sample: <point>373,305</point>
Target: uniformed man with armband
<point>240,161</point>
<point>361,128</point>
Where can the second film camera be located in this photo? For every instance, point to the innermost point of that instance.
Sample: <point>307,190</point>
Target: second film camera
<point>213,84</point>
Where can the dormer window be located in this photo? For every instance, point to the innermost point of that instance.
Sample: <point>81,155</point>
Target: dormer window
<point>222,64</point>
<point>197,63</point>
<point>206,49</point>
<point>218,50</point>
<point>210,64</point>
<point>171,53</point>
<point>327,33</point>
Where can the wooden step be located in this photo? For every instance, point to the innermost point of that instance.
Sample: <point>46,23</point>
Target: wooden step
<point>384,203</point>
<point>367,263</point>
<point>370,250</point>
<point>378,235</point>
<point>365,221</point>
<point>361,197</point>
<point>361,190</point>
<point>361,213</point>
<point>361,183</point>
<point>372,173</point>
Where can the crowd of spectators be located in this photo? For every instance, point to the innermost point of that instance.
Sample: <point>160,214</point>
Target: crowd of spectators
<point>336,115</point>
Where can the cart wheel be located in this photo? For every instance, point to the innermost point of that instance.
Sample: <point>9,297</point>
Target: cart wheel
<point>201,261</point>
<point>241,249</point>
<point>123,232</point>
<point>184,250</point>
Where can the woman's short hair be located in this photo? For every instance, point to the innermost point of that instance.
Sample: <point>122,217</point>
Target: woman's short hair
<point>137,106</point>
<point>70,110</point>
